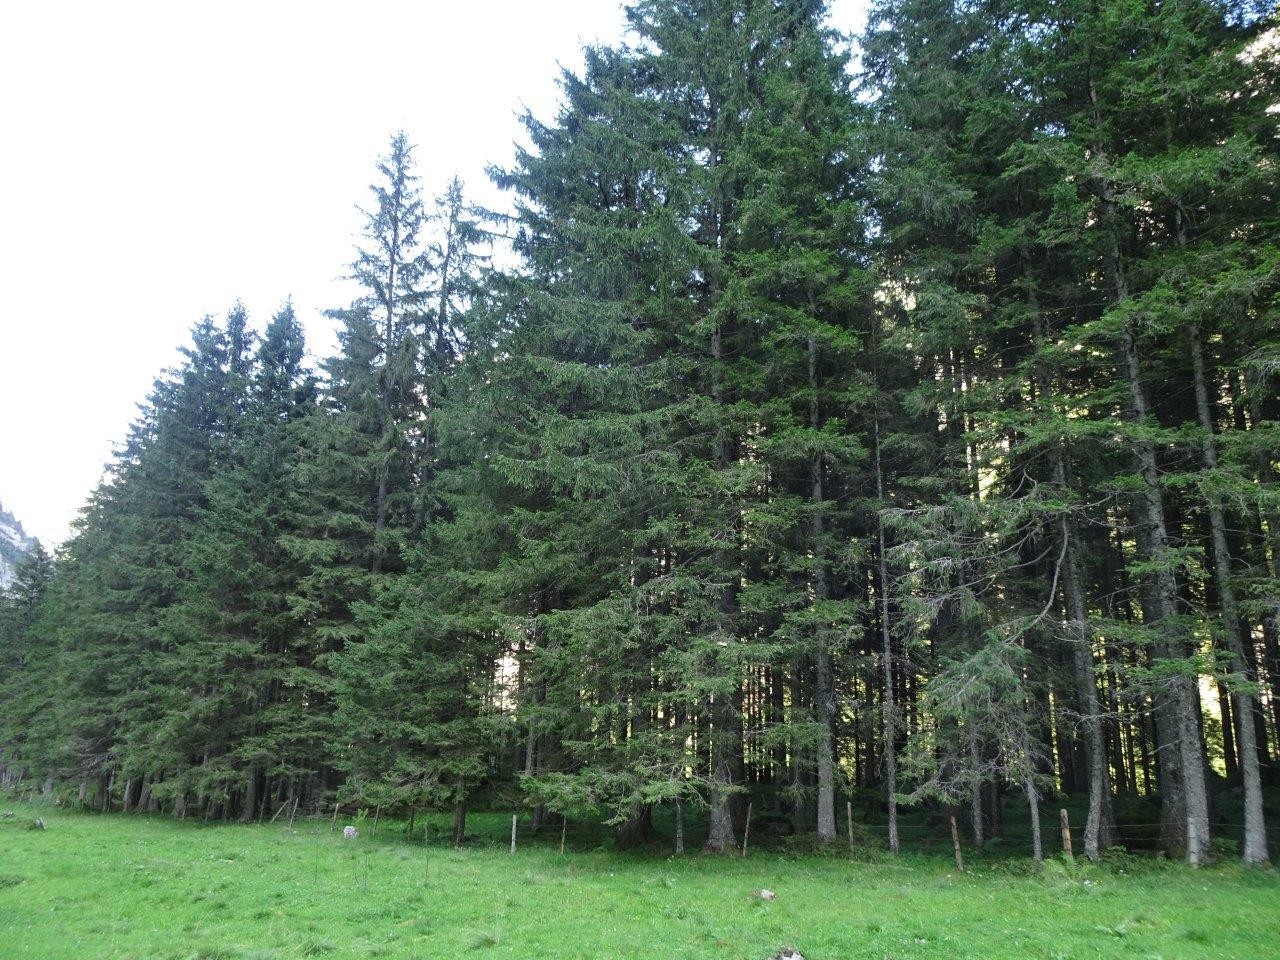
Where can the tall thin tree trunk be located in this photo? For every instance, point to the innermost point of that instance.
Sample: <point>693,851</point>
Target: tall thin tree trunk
<point>389,343</point>
<point>1178,721</point>
<point>1181,703</point>
<point>889,705</point>
<point>1255,828</point>
<point>720,838</point>
<point>824,699</point>
<point>1228,732</point>
<point>795,768</point>
<point>1100,829</point>
<point>1271,539</point>
<point>1121,744</point>
<point>1182,710</point>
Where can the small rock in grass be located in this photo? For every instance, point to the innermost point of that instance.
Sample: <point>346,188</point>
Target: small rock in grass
<point>788,953</point>
<point>9,815</point>
<point>37,824</point>
<point>767,895</point>
<point>351,833</point>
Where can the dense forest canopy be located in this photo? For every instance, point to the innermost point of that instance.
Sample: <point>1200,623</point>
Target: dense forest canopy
<point>903,426</point>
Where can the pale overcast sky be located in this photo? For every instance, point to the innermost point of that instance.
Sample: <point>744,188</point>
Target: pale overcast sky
<point>163,159</point>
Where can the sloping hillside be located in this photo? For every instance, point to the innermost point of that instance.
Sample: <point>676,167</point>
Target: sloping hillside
<point>14,542</point>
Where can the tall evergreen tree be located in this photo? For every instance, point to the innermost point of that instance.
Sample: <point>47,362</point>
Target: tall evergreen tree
<point>23,661</point>
<point>241,718</point>
<point>355,484</point>
<point>434,748</point>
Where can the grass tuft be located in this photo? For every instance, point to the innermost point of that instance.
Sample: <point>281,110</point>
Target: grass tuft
<point>480,939</point>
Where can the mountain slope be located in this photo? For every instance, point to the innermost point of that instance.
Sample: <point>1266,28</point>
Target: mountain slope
<point>14,542</point>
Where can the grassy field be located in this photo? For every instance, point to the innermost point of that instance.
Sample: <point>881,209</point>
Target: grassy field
<point>94,887</point>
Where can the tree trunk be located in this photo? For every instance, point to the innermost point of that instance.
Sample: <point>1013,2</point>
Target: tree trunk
<point>975,798</point>
<point>889,704</point>
<point>459,822</point>
<point>1228,733</point>
<point>638,830</point>
<point>1033,804</point>
<point>1271,617</point>
<point>1180,704</point>
<point>1255,828</point>
<point>389,346</point>
<point>250,796</point>
<point>720,839</point>
<point>795,768</point>
<point>824,700</point>
<point>1183,761</point>
<point>1100,828</point>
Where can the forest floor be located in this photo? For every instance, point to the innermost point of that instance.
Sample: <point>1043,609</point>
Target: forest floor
<point>93,887</point>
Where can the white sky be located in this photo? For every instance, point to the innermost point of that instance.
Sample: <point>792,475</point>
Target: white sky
<point>159,160</point>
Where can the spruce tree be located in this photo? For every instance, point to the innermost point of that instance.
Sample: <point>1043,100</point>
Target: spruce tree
<point>415,634</point>
<point>355,495</point>
<point>24,660</point>
<point>242,716</point>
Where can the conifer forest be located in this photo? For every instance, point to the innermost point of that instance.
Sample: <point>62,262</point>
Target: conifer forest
<point>826,426</point>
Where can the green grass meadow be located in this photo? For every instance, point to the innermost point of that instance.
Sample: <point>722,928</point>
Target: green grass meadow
<point>91,887</point>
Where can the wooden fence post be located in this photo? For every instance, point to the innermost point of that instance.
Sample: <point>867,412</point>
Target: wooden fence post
<point>1066,834</point>
<point>513,832</point>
